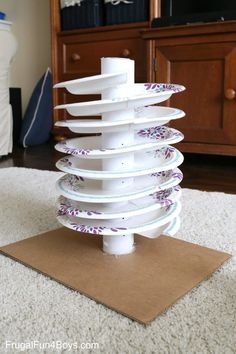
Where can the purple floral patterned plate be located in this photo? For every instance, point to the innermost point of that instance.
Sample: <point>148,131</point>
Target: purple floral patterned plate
<point>144,140</point>
<point>91,191</point>
<point>143,223</point>
<point>149,203</point>
<point>138,95</point>
<point>162,159</point>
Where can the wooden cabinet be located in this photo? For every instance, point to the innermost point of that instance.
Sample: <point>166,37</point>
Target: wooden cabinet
<point>202,58</point>
<point>77,53</point>
<point>79,56</point>
<point>81,53</point>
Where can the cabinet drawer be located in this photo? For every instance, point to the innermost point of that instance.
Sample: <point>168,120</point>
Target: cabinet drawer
<point>82,59</point>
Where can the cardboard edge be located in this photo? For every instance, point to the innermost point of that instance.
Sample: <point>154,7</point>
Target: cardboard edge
<point>190,243</point>
<point>89,235</point>
<point>195,286</point>
<point>149,320</point>
<point>71,288</point>
<point>29,238</point>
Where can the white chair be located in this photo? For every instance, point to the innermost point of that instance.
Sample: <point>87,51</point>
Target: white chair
<point>8,47</point>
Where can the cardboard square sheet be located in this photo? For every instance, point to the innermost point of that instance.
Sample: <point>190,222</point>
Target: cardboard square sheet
<point>141,285</point>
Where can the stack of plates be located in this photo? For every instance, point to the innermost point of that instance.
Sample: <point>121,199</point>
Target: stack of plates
<point>148,203</point>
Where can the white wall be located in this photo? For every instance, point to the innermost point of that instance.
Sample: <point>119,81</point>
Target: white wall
<point>31,27</point>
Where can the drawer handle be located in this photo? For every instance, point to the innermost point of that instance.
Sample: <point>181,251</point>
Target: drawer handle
<point>230,94</point>
<point>75,56</point>
<point>126,53</point>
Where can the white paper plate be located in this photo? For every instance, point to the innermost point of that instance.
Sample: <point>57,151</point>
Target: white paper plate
<point>170,230</point>
<point>144,139</point>
<point>140,95</point>
<point>173,227</point>
<point>90,191</point>
<point>163,159</point>
<point>93,84</point>
<point>157,200</point>
<point>124,226</point>
<point>145,117</point>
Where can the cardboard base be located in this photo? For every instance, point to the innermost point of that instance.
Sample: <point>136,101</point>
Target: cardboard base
<point>140,285</point>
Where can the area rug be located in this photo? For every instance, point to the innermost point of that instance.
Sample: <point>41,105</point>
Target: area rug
<point>36,308</point>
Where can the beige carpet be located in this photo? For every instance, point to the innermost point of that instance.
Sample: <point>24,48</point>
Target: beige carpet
<point>35,308</point>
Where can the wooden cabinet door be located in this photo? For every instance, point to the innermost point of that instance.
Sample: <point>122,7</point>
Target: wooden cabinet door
<point>207,70</point>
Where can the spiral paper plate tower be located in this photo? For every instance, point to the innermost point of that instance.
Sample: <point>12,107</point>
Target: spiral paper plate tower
<point>126,180</point>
